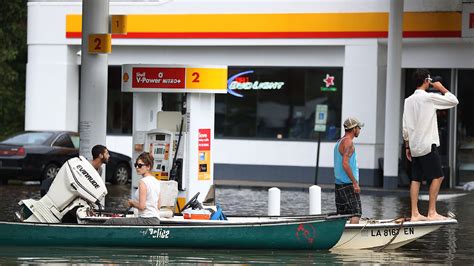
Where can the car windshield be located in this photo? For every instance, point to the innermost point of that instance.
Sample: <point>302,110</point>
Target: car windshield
<point>29,138</point>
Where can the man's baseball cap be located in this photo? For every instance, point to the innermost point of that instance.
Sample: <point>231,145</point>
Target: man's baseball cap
<point>351,123</point>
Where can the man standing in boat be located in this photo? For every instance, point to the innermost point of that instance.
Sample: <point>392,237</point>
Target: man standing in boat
<point>420,132</point>
<point>346,172</point>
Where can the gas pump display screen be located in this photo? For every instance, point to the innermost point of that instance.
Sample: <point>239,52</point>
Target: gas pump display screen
<point>160,137</point>
<point>159,150</point>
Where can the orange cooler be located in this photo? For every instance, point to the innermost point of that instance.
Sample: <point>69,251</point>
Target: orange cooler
<point>197,214</point>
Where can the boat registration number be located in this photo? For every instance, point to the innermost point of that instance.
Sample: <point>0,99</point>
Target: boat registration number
<point>392,231</point>
<point>156,233</point>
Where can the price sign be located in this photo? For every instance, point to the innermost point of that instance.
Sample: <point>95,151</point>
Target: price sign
<point>100,43</point>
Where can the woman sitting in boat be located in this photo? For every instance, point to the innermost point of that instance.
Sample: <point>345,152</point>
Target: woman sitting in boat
<point>146,198</point>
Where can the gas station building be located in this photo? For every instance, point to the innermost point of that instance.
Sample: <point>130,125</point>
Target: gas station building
<point>285,58</point>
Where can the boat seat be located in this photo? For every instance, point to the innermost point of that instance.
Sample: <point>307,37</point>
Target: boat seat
<point>168,197</point>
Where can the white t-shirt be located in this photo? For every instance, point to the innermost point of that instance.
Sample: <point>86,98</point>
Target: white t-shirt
<point>420,124</point>
<point>153,188</point>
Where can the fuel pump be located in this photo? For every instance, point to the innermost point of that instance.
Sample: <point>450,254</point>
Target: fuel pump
<point>180,142</point>
<point>166,144</point>
<point>159,143</point>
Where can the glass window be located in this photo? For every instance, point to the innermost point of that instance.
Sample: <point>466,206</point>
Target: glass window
<point>279,103</point>
<point>63,141</point>
<point>171,101</point>
<point>235,115</point>
<point>323,86</point>
<point>465,127</point>
<point>75,141</point>
<point>119,104</point>
<point>29,138</point>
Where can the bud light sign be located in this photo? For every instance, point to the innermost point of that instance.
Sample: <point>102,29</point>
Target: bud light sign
<point>241,82</point>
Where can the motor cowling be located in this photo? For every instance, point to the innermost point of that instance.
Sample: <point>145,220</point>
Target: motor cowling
<point>76,184</point>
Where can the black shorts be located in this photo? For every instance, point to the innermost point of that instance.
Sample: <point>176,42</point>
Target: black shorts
<point>347,201</point>
<point>427,167</point>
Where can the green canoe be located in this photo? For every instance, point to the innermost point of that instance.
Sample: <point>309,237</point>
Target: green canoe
<point>238,233</point>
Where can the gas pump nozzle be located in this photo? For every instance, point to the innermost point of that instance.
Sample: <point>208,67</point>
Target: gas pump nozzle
<point>176,172</point>
<point>184,104</point>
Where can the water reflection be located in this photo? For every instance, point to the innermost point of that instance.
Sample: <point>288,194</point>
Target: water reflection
<point>450,244</point>
<point>200,257</point>
<point>370,256</point>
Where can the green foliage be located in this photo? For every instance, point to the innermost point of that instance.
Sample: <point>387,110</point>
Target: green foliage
<point>13,59</point>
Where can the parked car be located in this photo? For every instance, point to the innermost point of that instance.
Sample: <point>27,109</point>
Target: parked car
<point>37,155</point>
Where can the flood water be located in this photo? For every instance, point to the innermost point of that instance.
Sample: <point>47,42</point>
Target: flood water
<point>449,245</point>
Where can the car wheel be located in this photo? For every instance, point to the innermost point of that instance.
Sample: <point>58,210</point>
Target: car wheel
<point>121,175</point>
<point>50,171</point>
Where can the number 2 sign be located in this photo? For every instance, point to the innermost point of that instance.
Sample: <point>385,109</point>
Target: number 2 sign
<point>99,43</point>
<point>206,78</point>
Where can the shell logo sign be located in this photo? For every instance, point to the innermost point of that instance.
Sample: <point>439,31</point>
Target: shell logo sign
<point>126,77</point>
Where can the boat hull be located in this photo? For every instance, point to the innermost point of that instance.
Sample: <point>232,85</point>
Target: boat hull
<point>386,234</point>
<point>296,234</point>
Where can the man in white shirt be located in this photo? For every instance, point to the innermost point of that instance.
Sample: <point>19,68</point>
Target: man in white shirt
<point>420,132</point>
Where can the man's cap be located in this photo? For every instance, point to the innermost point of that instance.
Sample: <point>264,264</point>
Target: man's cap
<point>352,122</point>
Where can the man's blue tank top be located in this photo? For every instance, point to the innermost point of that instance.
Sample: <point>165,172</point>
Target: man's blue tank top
<point>339,173</point>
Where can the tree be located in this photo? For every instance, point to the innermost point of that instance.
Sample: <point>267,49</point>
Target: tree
<point>13,56</point>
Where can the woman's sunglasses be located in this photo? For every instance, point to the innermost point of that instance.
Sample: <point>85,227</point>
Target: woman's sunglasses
<point>139,165</point>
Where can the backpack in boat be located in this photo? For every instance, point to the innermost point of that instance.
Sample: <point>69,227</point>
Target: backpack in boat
<point>218,214</point>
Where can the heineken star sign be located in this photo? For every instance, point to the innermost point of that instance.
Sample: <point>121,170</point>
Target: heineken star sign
<point>329,83</point>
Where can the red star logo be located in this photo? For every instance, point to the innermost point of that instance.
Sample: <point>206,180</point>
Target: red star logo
<point>329,80</point>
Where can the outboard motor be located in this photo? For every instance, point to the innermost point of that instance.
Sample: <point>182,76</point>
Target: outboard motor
<point>76,184</point>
